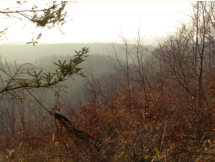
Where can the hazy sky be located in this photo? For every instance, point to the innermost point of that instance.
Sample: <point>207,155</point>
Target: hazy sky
<point>100,21</point>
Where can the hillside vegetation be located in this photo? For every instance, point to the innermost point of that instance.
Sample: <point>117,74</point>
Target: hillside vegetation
<point>142,105</point>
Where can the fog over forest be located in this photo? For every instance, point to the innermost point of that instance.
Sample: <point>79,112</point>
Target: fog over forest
<point>23,53</point>
<point>101,58</point>
<point>132,99</point>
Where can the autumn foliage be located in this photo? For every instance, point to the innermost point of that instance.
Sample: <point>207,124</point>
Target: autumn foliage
<point>160,107</point>
<point>131,128</point>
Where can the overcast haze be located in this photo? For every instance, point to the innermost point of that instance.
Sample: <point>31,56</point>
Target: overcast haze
<point>100,21</point>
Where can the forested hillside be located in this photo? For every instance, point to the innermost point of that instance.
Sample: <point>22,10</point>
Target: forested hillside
<point>25,53</point>
<point>33,54</point>
<point>134,103</point>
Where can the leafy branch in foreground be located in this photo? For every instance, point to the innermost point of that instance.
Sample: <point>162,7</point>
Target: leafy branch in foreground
<point>48,16</point>
<point>47,79</point>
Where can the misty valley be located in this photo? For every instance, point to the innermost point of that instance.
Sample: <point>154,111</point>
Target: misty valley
<point>133,100</point>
